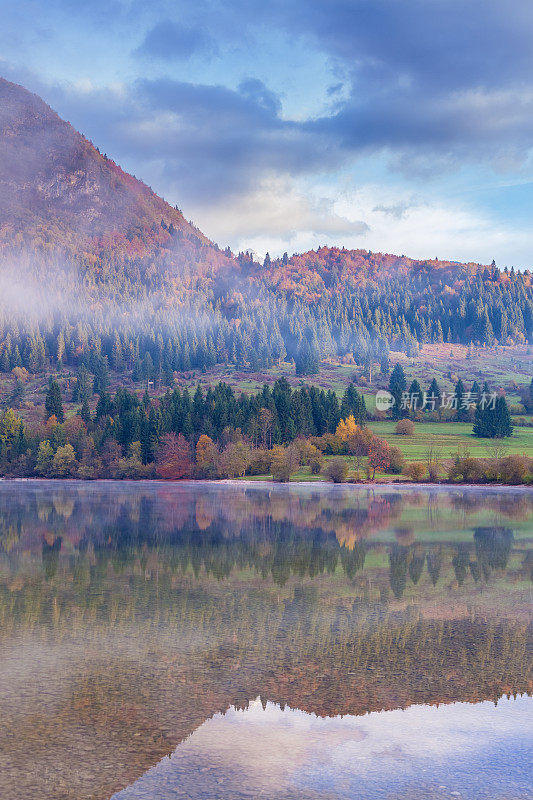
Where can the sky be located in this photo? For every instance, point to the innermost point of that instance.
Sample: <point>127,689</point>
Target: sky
<point>402,126</point>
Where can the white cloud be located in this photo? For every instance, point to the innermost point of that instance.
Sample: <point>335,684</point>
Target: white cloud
<point>279,215</point>
<point>282,214</point>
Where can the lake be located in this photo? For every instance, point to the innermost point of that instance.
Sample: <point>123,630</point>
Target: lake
<point>241,640</point>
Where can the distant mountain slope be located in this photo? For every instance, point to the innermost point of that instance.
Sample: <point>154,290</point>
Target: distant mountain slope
<point>322,272</point>
<point>96,269</point>
<point>57,189</point>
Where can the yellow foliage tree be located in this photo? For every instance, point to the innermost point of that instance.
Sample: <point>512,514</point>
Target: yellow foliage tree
<point>347,428</point>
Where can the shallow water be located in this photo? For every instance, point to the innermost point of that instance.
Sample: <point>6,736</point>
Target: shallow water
<point>302,642</point>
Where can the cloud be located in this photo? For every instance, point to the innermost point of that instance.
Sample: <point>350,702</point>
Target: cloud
<point>401,223</point>
<point>277,215</point>
<point>396,210</point>
<point>283,214</point>
<point>169,41</point>
<point>431,89</point>
<point>196,142</point>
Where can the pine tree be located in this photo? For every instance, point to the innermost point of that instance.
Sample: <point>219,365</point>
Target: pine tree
<point>502,419</point>
<point>415,392</point>
<point>85,412</point>
<point>434,394</point>
<point>101,375</point>
<point>462,410</point>
<point>307,359</point>
<point>397,386</point>
<point>53,404</point>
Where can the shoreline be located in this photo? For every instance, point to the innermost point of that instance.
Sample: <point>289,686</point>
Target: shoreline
<point>269,483</point>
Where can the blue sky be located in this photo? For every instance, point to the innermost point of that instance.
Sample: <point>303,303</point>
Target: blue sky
<point>396,125</point>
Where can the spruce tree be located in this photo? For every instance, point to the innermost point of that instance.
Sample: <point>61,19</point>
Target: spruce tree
<point>397,386</point>
<point>502,419</point>
<point>53,405</point>
<point>85,412</point>
<point>415,392</point>
<point>462,411</point>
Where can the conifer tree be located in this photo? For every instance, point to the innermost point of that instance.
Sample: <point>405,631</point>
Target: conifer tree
<point>462,411</point>
<point>53,404</point>
<point>502,418</point>
<point>397,386</point>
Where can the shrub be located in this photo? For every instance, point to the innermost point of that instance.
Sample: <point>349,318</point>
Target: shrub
<point>316,466</point>
<point>466,468</point>
<point>261,462</point>
<point>329,443</point>
<point>514,469</point>
<point>433,471</point>
<point>132,467</point>
<point>336,470</point>
<point>405,427</point>
<point>416,471</point>
<point>396,459</point>
<point>307,450</point>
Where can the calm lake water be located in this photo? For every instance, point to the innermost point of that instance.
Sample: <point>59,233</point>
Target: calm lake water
<point>253,641</point>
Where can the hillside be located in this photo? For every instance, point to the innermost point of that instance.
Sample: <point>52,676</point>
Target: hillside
<point>322,272</point>
<point>58,190</point>
<point>95,267</point>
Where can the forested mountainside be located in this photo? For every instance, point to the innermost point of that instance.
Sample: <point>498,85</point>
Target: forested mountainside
<point>94,265</point>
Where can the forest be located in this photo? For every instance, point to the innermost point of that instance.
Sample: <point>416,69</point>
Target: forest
<point>152,316</point>
<point>220,434</point>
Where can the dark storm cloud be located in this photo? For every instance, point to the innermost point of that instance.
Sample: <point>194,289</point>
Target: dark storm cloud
<point>449,77</point>
<point>220,141</point>
<point>432,83</point>
<point>196,141</point>
<point>169,41</point>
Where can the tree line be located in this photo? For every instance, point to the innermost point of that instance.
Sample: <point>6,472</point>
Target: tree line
<point>148,322</point>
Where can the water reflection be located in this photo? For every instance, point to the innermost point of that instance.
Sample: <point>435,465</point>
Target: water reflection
<point>452,751</point>
<point>130,615</point>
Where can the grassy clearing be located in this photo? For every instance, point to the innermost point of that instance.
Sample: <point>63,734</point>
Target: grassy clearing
<point>447,437</point>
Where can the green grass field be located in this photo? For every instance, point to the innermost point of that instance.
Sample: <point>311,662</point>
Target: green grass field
<point>447,437</point>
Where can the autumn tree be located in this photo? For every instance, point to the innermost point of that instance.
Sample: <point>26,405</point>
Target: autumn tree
<point>285,461</point>
<point>173,457</point>
<point>347,428</point>
<point>64,462</point>
<point>235,459</point>
<point>45,457</point>
<point>206,457</point>
<point>378,455</point>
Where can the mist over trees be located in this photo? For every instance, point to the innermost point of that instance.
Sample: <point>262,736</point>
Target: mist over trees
<point>151,317</point>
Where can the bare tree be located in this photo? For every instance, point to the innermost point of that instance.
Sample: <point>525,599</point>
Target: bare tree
<point>433,456</point>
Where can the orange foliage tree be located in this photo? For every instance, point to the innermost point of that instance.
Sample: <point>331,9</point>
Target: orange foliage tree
<point>174,457</point>
<point>378,455</point>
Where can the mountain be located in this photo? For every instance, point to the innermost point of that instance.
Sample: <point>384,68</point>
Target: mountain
<point>94,266</point>
<point>58,190</point>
